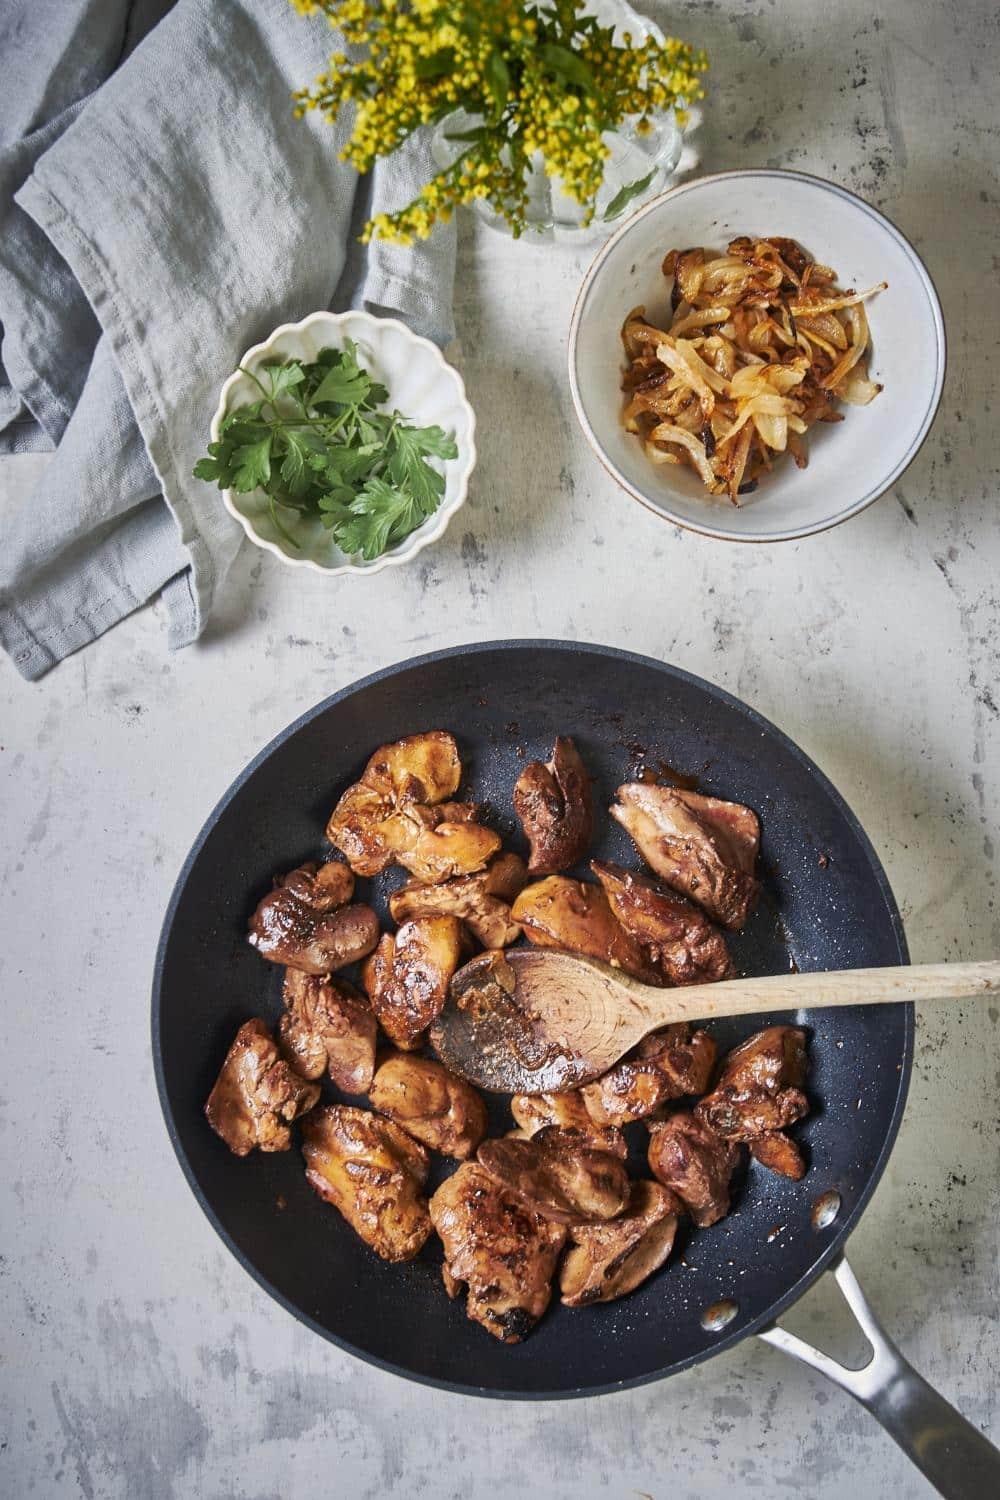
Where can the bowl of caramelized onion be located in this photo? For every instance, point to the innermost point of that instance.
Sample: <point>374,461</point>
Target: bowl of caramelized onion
<point>757,355</point>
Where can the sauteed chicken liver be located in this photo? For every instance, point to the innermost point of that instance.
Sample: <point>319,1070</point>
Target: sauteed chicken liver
<point>553,1198</point>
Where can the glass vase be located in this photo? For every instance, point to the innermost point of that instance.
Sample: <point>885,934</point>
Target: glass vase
<point>636,168</point>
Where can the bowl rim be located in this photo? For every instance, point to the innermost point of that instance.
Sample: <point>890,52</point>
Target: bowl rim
<point>466,460</point>
<point>787,534</point>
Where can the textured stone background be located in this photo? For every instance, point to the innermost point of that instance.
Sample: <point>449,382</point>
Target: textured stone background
<point>137,1358</point>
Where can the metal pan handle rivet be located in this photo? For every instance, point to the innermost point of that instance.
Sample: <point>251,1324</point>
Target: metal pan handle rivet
<point>958,1460</point>
<point>825,1210</point>
<point>719,1315</point>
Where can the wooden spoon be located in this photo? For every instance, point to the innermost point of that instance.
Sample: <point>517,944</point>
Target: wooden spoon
<point>531,1021</point>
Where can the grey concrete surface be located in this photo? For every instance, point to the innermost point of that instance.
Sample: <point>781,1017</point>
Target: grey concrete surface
<point>136,1358</point>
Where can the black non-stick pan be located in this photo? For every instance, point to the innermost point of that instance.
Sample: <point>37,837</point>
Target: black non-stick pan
<point>827,905</point>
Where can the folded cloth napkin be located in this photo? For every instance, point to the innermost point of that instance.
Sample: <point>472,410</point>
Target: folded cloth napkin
<point>161,209</point>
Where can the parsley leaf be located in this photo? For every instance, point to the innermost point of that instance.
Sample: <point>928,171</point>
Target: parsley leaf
<point>342,388</point>
<point>334,507</point>
<point>252,465</point>
<point>300,449</point>
<point>433,440</point>
<point>380,514</point>
<point>282,377</point>
<point>409,469</point>
<point>345,465</point>
<point>210,468</point>
<point>425,484</point>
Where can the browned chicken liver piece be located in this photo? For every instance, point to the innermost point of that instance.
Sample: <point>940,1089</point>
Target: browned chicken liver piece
<point>701,846</point>
<point>506,878</point>
<point>670,1063</point>
<point>328,1027</point>
<point>367,828</point>
<point>431,1104</point>
<point>303,922</point>
<point>450,843</point>
<point>555,806</point>
<point>574,914</point>
<point>324,887</point>
<point>418,768</point>
<point>631,1090</point>
<point>680,939</point>
<point>369,823</point>
<point>481,901</point>
<point>684,1055</point>
<point>372,1172</point>
<point>560,1177</point>
<point>569,1114</point>
<point>609,1260</point>
<point>780,1153</point>
<point>759,1087</point>
<point>499,1248</point>
<point>257,1094</point>
<point>695,1163</point>
<point>399,810</point>
<point>407,976</point>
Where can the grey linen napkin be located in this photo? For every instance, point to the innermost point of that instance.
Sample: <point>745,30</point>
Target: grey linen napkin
<point>161,210</point>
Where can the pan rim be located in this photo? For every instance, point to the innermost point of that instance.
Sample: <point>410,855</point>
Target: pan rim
<point>726,1340</point>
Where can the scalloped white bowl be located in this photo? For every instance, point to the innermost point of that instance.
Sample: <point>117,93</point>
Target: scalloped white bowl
<point>421,384</point>
<point>852,462</point>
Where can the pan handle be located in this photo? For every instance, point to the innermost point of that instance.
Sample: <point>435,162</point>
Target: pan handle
<point>955,1456</point>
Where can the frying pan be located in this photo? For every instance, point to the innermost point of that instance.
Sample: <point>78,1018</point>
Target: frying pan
<point>827,905</point>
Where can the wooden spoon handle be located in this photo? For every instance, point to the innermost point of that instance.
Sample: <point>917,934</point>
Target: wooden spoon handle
<point>737,997</point>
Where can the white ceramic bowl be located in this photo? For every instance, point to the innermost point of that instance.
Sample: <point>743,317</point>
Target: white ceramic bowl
<point>852,462</point>
<point>421,384</point>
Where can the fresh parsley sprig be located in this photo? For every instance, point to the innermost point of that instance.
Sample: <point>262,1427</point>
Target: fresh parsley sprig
<point>318,442</point>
